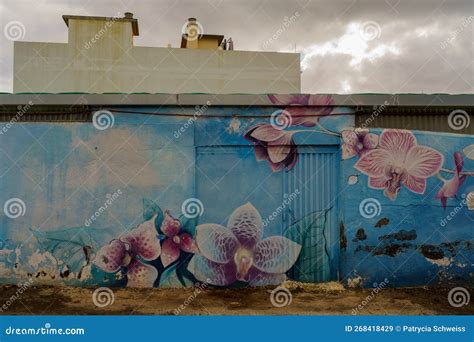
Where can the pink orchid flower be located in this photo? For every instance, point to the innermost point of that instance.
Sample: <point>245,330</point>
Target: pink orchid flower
<point>450,187</point>
<point>299,110</point>
<point>357,142</point>
<point>275,145</point>
<point>399,160</point>
<point>175,241</point>
<point>140,243</point>
<point>238,252</point>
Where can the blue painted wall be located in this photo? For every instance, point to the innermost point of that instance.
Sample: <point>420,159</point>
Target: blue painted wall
<point>410,240</point>
<point>89,204</point>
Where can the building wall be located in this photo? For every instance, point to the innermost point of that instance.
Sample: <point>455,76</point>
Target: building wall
<point>226,195</point>
<point>410,237</point>
<point>100,58</point>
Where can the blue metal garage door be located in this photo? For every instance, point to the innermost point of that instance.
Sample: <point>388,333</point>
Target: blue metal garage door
<point>301,202</point>
<point>314,209</point>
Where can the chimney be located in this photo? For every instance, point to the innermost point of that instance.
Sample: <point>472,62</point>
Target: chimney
<point>191,33</point>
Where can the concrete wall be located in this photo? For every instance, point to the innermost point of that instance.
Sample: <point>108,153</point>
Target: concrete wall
<point>231,196</point>
<point>100,57</point>
<point>407,210</point>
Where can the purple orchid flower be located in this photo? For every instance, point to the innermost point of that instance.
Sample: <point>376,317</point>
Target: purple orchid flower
<point>450,187</point>
<point>299,110</point>
<point>275,145</point>
<point>239,253</point>
<point>358,141</point>
<point>140,243</point>
<point>175,241</point>
<point>399,160</point>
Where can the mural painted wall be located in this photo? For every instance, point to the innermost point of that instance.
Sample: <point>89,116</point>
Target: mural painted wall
<point>211,194</point>
<point>232,196</point>
<point>406,208</point>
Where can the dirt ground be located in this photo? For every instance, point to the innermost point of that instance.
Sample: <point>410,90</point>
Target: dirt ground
<point>307,299</point>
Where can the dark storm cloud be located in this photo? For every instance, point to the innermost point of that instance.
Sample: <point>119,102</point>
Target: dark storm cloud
<point>346,46</point>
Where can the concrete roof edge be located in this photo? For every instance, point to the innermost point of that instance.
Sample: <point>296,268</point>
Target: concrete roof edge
<point>352,100</point>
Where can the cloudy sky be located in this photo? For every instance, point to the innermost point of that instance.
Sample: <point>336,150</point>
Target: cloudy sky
<point>346,46</point>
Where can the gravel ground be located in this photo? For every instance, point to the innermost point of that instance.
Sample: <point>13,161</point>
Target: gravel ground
<point>306,299</point>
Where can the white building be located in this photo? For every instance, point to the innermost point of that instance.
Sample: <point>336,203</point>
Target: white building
<point>100,57</point>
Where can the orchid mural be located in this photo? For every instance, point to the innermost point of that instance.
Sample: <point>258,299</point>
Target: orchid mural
<point>450,187</point>
<point>395,159</point>
<point>399,160</point>
<point>357,142</point>
<point>128,250</point>
<point>274,142</point>
<point>238,252</point>
<point>175,241</point>
<point>169,249</point>
<point>274,145</point>
<point>165,251</point>
<point>301,115</point>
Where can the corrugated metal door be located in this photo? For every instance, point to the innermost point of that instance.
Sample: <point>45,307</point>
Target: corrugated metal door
<point>229,176</point>
<point>315,179</point>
